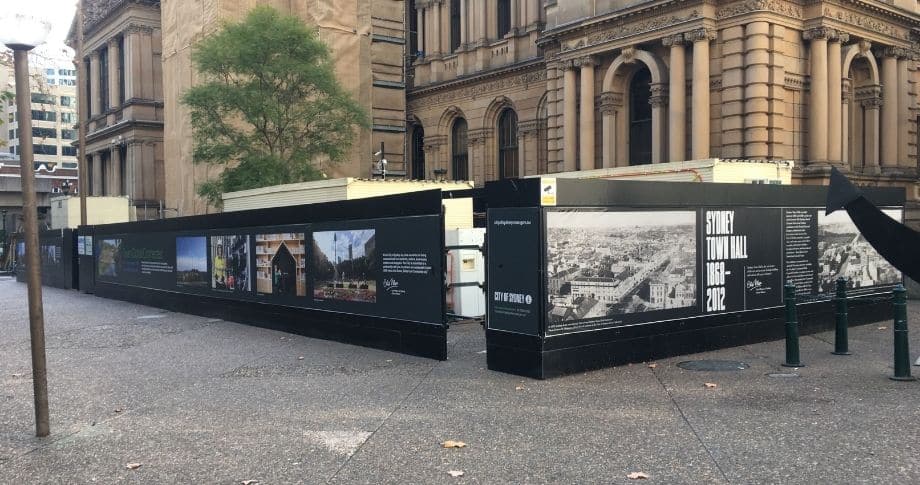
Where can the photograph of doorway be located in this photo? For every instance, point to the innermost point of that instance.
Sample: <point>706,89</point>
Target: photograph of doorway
<point>280,264</point>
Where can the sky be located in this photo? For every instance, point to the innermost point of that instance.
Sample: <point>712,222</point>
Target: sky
<point>191,253</point>
<point>58,12</point>
<point>356,237</point>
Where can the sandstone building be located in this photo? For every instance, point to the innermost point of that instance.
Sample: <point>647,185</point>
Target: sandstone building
<point>123,91</point>
<point>504,88</point>
<point>367,42</point>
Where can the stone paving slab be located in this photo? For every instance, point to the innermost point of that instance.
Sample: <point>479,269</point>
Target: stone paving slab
<point>197,400</point>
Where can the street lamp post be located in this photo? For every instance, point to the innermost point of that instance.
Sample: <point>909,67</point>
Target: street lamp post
<point>22,33</point>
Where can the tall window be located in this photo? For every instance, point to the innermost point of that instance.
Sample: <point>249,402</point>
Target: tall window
<point>504,18</point>
<point>87,89</point>
<point>413,28</point>
<point>121,70</point>
<point>418,153</point>
<point>104,78</point>
<point>507,144</point>
<point>123,169</point>
<point>640,118</point>
<point>455,25</point>
<point>460,156</point>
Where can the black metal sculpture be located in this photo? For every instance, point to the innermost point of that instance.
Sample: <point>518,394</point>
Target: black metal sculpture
<point>894,241</point>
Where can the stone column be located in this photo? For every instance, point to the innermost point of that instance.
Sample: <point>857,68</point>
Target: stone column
<point>757,90</point>
<point>132,63</point>
<point>437,47</point>
<point>95,75</point>
<point>114,67</point>
<point>835,132</point>
<point>586,125</point>
<point>889,133</point>
<point>871,141</point>
<point>817,113</point>
<point>700,92</point>
<point>611,103</point>
<point>552,120</point>
<point>569,123</point>
<point>845,97</point>
<point>115,158</point>
<point>904,112</point>
<point>98,171</point>
<point>463,24</point>
<point>515,6</point>
<point>659,102</point>
<point>420,28</point>
<point>677,107</point>
<point>731,97</point>
<point>483,21</point>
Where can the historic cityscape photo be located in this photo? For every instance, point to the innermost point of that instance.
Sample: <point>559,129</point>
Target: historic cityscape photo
<point>230,263</point>
<point>192,261</point>
<point>601,264</point>
<point>844,252</point>
<point>280,262</point>
<point>344,265</point>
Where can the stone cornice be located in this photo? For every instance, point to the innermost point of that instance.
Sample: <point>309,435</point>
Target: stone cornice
<point>784,8</point>
<point>621,28</point>
<point>533,71</point>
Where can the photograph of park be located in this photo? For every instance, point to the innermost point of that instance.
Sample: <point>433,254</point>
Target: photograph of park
<point>192,261</point>
<point>345,265</point>
<point>230,263</point>
<point>280,259</point>
<point>109,257</point>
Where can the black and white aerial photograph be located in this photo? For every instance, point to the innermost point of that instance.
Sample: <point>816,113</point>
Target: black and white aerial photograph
<point>844,252</point>
<point>601,264</point>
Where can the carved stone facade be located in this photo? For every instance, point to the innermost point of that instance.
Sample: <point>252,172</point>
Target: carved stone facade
<point>123,93</point>
<point>823,84</point>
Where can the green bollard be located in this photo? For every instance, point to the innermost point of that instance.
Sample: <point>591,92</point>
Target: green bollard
<point>901,349</point>
<point>792,329</point>
<point>841,345</point>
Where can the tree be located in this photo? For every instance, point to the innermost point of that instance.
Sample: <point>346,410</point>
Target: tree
<point>270,109</point>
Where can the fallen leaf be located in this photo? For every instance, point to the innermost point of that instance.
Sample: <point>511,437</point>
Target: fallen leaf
<point>119,410</point>
<point>637,476</point>
<point>453,444</point>
<point>300,358</point>
<point>519,388</point>
<point>133,466</point>
<point>883,328</point>
<point>455,473</point>
<point>249,482</point>
<point>652,366</point>
<point>711,385</point>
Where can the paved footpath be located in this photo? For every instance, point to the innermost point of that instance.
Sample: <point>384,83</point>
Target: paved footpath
<point>197,400</point>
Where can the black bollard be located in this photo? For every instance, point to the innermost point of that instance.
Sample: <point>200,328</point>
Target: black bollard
<point>792,329</point>
<point>841,344</point>
<point>901,349</point>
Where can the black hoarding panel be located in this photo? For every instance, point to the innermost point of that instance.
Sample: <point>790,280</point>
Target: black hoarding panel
<point>384,269</point>
<point>514,268</point>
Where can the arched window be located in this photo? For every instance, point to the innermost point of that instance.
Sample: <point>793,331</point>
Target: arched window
<point>640,118</point>
<point>507,144</point>
<point>454,25</point>
<point>460,153</point>
<point>418,153</point>
<point>504,17</point>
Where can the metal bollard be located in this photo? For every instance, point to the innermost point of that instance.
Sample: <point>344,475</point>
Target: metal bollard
<point>901,349</point>
<point>792,329</point>
<point>841,344</point>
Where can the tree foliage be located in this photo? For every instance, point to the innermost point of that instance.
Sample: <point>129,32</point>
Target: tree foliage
<point>270,109</point>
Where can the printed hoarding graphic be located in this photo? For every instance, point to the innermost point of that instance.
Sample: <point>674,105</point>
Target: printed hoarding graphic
<point>280,264</point>
<point>603,266</point>
<point>844,252</point>
<point>192,261</point>
<point>109,257</point>
<point>345,265</point>
<point>230,263</point>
